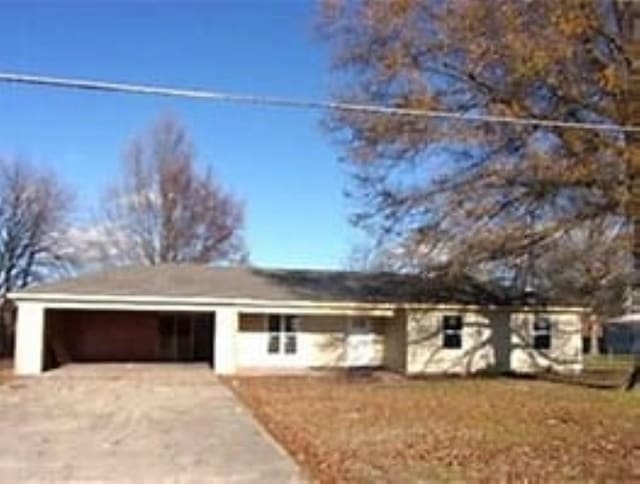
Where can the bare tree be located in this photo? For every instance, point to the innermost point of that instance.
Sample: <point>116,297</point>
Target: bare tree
<point>164,210</point>
<point>34,212</point>
<point>591,264</point>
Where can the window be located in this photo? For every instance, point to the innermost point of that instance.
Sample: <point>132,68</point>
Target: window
<point>274,335</point>
<point>541,334</point>
<point>361,325</point>
<point>283,338</point>
<point>452,332</point>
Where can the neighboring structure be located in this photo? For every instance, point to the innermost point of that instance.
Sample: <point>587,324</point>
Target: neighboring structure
<point>622,335</point>
<point>242,318</point>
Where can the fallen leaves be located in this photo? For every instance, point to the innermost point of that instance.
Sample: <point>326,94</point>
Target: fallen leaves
<point>476,430</point>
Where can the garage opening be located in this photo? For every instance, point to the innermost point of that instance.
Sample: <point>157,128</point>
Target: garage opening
<point>128,336</point>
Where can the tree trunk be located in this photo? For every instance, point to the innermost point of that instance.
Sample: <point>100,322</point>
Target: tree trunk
<point>594,336</point>
<point>4,329</point>
<point>3,336</point>
<point>634,375</point>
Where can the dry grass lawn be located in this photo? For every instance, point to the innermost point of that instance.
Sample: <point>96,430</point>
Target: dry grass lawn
<point>486,430</point>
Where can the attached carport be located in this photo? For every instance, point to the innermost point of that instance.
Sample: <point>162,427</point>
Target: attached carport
<point>79,335</point>
<point>62,329</point>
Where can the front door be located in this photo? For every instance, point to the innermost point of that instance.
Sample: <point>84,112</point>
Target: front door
<point>360,343</point>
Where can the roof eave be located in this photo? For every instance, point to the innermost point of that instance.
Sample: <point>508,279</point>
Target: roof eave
<point>191,300</point>
<point>257,303</point>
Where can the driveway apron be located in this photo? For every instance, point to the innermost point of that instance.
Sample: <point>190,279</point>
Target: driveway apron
<point>133,423</point>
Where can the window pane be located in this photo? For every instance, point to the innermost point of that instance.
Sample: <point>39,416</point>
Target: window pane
<point>542,324</point>
<point>289,324</point>
<point>274,343</point>
<point>542,341</point>
<point>274,323</point>
<point>542,334</point>
<point>290,344</point>
<point>452,340</point>
<point>360,324</point>
<point>452,323</point>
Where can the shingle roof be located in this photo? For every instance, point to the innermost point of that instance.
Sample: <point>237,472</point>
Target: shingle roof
<point>184,281</point>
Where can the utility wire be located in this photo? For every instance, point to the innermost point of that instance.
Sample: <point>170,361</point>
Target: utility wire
<point>282,102</point>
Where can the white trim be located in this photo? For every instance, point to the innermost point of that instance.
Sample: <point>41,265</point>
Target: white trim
<point>168,306</point>
<point>29,351</point>
<point>194,300</point>
<point>336,306</point>
<point>226,325</point>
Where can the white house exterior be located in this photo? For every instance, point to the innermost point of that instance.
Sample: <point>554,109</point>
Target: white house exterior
<point>242,319</point>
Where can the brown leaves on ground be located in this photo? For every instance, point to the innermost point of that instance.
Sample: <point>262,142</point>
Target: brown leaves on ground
<point>476,429</point>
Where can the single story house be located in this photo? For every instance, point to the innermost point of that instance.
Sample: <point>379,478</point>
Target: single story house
<point>247,318</point>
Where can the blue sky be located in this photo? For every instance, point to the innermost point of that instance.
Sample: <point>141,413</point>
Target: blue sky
<point>279,162</point>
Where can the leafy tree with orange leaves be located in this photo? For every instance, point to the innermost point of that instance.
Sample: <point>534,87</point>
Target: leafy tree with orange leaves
<point>500,200</point>
<point>478,196</point>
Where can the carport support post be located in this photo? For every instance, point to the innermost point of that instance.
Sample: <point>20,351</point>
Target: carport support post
<point>29,339</point>
<point>226,328</point>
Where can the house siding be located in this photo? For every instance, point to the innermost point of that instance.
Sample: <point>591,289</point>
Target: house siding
<point>322,342</point>
<point>565,354</point>
<point>425,351</point>
<point>395,342</point>
<point>492,341</point>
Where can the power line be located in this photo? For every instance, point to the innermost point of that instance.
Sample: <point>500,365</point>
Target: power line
<point>282,102</point>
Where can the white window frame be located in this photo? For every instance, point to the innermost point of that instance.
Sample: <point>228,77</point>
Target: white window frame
<point>283,334</point>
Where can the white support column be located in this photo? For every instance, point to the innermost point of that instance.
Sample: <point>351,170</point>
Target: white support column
<point>29,339</point>
<point>226,328</point>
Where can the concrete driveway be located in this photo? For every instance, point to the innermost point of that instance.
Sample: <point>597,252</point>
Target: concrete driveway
<point>133,423</point>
